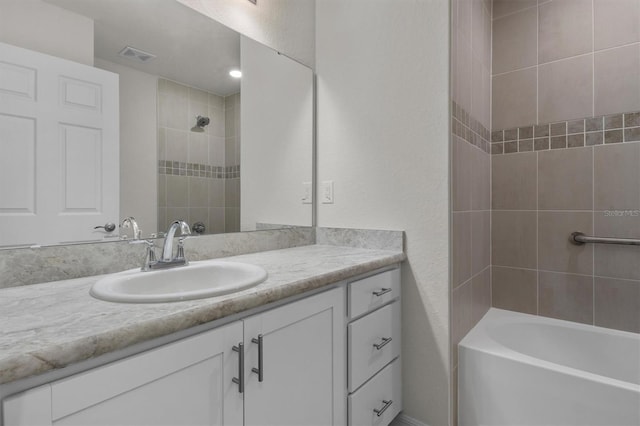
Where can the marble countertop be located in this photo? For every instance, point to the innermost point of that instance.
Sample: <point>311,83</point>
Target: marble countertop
<point>52,325</point>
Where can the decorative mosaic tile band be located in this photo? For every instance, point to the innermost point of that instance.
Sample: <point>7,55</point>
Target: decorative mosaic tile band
<point>468,128</point>
<point>178,168</point>
<point>607,129</point>
<point>232,172</point>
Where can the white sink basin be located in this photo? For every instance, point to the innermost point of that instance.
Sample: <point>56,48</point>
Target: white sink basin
<point>195,281</point>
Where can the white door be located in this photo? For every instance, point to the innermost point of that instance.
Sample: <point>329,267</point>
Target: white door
<point>303,359</point>
<point>59,146</point>
<point>189,382</point>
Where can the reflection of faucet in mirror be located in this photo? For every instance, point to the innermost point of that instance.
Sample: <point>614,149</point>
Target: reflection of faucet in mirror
<point>130,222</point>
<point>167,260</point>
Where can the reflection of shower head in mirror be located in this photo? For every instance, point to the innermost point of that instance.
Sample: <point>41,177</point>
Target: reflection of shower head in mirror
<point>201,122</point>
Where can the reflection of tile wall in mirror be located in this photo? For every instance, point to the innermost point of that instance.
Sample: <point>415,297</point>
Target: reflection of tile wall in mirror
<point>198,171</point>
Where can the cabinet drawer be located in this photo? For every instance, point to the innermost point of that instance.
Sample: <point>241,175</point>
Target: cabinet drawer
<point>384,390</point>
<point>370,293</point>
<point>369,346</point>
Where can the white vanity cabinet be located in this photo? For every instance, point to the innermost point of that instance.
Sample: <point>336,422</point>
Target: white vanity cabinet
<point>374,331</point>
<point>186,382</point>
<point>303,363</point>
<point>190,382</point>
<point>332,358</point>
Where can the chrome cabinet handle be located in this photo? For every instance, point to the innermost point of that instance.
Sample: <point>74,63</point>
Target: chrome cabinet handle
<point>260,370</point>
<point>381,292</point>
<point>382,344</point>
<point>240,379</point>
<point>387,404</point>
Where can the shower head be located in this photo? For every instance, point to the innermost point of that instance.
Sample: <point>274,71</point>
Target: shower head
<point>201,122</point>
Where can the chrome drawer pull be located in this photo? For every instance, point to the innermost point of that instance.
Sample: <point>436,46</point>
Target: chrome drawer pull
<point>387,404</point>
<point>381,345</point>
<point>381,292</point>
<point>240,379</point>
<point>260,370</point>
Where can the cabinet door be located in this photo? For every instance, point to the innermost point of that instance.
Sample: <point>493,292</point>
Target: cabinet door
<point>188,382</point>
<point>303,362</point>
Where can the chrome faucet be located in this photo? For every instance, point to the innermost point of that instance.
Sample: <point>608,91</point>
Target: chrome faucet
<point>130,222</point>
<point>167,260</point>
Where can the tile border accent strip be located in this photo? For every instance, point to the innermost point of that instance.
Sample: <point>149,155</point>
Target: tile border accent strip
<point>604,129</point>
<point>178,168</point>
<point>468,128</point>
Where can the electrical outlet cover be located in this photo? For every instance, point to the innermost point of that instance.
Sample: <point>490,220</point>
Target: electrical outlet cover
<point>326,192</point>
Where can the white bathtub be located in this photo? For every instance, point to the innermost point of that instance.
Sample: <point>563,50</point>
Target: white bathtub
<point>519,369</point>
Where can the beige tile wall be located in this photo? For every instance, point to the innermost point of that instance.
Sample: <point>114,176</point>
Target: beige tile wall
<point>232,158</point>
<point>471,171</point>
<point>210,197</point>
<point>539,199</point>
<point>558,60</point>
<point>573,64</point>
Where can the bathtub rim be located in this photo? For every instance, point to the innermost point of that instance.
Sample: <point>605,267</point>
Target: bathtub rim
<point>480,340</point>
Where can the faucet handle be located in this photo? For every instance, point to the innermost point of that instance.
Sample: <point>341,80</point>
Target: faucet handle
<point>150,256</point>
<point>180,253</point>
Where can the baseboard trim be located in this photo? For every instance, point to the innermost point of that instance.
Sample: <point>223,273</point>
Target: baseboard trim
<point>404,420</point>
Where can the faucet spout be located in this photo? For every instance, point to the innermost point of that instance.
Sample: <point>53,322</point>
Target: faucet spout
<point>167,250</point>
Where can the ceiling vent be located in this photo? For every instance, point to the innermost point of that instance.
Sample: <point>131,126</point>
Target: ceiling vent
<point>136,54</point>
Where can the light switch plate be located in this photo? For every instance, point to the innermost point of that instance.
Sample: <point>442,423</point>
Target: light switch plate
<point>326,192</point>
<point>307,195</point>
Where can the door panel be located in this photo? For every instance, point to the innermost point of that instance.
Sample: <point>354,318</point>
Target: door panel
<point>59,123</point>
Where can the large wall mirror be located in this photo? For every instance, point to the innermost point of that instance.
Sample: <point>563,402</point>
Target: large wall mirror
<point>195,141</point>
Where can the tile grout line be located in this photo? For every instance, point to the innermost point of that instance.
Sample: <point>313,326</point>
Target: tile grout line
<point>593,59</point>
<point>593,52</point>
<point>537,68</point>
<point>537,234</point>
<point>491,159</point>
<point>513,13</point>
<point>593,227</point>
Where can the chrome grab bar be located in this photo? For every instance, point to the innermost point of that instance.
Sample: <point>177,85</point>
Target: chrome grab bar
<point>579,238</point>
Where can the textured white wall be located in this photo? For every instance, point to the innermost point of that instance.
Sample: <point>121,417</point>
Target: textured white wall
<point>383,93</point>
<point>285,25</point>
<point>39,26</point>
<point>138,145</point>
<point>277,137</point>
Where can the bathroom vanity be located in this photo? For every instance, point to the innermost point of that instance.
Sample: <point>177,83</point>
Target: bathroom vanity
<point>317,343</point>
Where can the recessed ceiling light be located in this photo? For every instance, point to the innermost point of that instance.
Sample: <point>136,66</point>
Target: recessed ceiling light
<point>235,73</point>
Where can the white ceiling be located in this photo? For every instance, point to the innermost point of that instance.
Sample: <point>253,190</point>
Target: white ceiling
<point>191,48</point>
